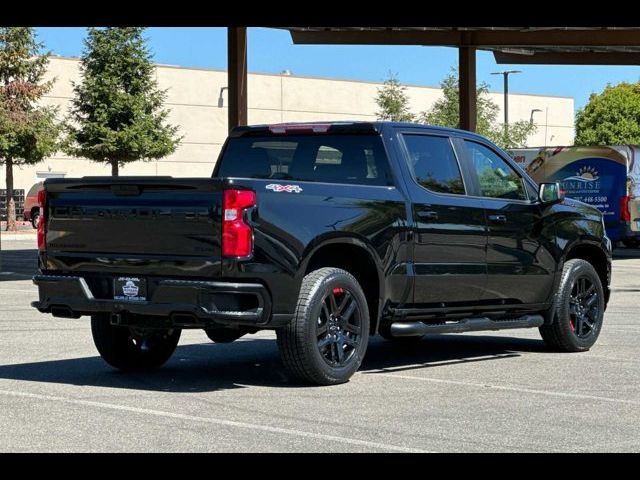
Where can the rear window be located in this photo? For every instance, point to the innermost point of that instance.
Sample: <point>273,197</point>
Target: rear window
<point>354,159</point>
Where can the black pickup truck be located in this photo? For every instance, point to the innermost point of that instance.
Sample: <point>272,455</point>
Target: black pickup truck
<point>326,233</point>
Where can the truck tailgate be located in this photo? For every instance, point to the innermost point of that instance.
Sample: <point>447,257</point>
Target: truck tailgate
<point>162,225</point>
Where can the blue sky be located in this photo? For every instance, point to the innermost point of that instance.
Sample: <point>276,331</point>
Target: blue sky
<point>272,51</point>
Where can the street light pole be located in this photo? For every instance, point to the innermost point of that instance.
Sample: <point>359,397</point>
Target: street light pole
<point>505,74</point>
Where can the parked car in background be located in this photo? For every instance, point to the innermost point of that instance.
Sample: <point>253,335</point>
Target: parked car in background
<point>607,177</point>
<point>31,208</point>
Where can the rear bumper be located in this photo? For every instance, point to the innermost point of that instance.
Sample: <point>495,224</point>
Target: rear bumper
<point>178,303</point>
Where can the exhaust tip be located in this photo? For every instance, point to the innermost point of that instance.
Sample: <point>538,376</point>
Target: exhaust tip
<point>63,312</point>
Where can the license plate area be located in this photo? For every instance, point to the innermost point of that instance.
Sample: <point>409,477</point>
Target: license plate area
<point>130,289</point>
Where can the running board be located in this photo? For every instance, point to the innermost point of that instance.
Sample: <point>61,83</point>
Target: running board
<point>410,329</point>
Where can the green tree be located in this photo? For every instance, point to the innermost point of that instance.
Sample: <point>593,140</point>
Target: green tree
<point>28,130</point>
<point>117,113</point>
<point>611,117</point>
<point>445,112</point>
<point>393,101</point>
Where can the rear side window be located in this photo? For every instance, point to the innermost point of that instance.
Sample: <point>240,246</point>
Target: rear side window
<point>434,164</point>
<point>353,159</point>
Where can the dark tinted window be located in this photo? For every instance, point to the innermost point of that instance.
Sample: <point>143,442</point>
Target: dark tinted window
<point>496,177</point>
<point>357,159</point>
<point>434,163</point>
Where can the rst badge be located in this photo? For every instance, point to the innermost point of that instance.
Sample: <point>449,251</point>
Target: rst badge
<point>132,289</point>
<point>276,187</point>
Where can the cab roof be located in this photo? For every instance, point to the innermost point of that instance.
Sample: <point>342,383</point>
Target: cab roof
<point>355,127</point>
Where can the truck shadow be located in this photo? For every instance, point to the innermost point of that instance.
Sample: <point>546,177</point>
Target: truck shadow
<point>441,350</point>
<point>255,362</point>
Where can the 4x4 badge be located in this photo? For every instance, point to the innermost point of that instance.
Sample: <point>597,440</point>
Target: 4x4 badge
<point>276,187</point>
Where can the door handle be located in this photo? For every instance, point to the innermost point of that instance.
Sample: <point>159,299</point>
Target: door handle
<point>498,218</point>
<point>428,214</point>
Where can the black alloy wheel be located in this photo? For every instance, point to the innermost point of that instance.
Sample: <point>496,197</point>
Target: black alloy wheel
<point>578,309</point>
<point>327,338</point>
<point>584,307</point>
<point>339,327</point>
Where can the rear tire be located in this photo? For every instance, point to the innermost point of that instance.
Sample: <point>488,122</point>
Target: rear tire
<point>223,335</point>
<point>326,341</point>
<point>579,309</point>
<point>128,349</point>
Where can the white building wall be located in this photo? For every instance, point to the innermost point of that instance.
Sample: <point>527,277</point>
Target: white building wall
<point>193,98</point>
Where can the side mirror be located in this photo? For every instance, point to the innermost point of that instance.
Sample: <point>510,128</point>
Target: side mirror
<point>551,192</point>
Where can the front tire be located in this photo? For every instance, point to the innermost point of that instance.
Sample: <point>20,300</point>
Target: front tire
<point>579,309</point>
<point>326,341</point>
<point>130,349</point>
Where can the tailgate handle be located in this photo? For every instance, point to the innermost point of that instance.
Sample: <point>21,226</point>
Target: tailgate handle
<point>126,190</point>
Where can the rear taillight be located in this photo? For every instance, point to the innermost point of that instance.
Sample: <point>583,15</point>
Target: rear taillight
<point>237,235</point>
<point>42,244</point>
<point>625,214</point>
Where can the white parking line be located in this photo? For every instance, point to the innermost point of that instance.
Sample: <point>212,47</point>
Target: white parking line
<point>214,421</point>
<point>508,388</point>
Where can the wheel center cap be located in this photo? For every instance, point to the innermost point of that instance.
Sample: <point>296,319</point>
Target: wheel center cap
<point>334,324</point>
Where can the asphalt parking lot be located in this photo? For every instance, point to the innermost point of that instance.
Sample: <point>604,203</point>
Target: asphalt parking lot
<point>477,392</point>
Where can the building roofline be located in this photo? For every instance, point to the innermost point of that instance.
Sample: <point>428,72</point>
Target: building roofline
<point>309,77</point>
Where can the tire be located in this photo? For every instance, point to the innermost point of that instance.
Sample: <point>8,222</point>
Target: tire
<point>223,335</point>
<point>578,317</point>
<point>631,242</point>
<point>326,341</point>
<point>385,332</point>
<point>128,349</point>
<point>34,219</point>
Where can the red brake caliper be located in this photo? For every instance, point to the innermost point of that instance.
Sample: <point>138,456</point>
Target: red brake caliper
<point>338,291</point>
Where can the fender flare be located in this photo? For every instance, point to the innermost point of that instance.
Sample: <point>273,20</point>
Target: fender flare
<point>345,239</point>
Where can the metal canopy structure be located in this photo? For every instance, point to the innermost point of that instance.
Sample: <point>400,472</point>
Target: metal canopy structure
<point>511,45</point>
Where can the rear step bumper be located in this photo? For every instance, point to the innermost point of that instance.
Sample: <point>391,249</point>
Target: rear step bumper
<point>409,329</point>
<point>178,303</point>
